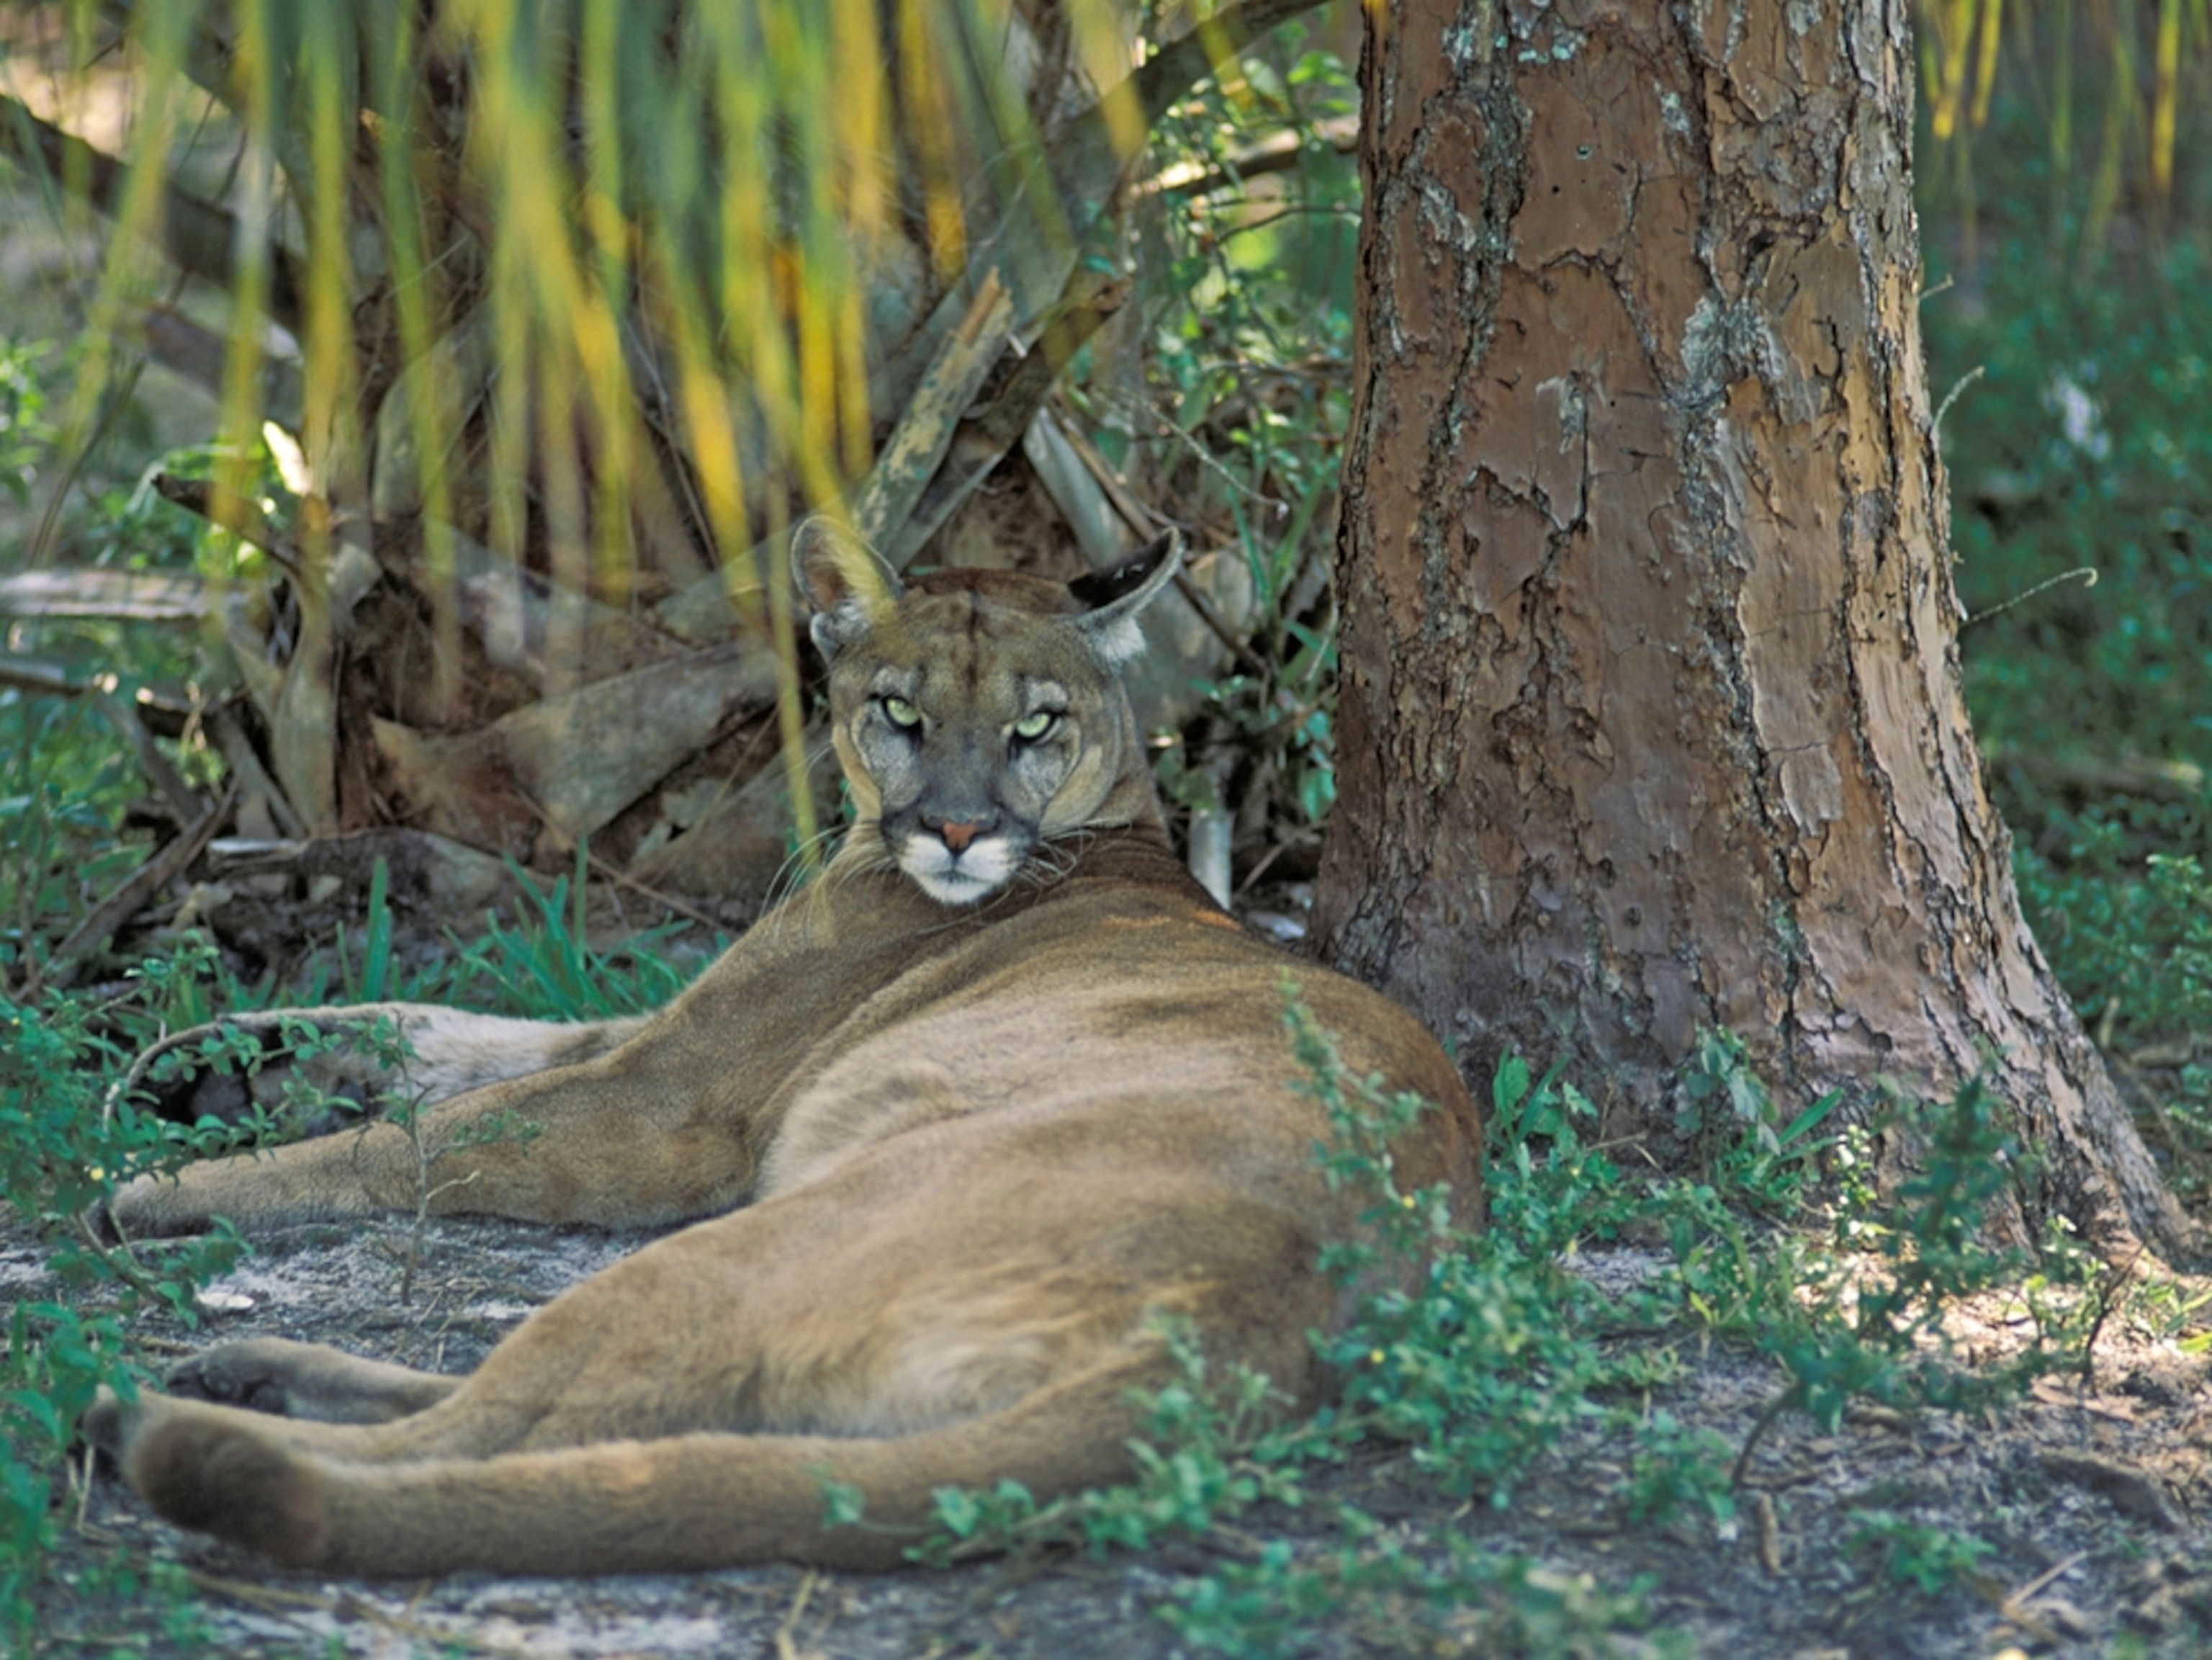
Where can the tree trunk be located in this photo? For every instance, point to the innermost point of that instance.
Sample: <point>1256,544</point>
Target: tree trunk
<point>1651,715</point>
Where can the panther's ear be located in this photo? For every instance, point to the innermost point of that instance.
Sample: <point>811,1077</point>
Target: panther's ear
<point>1116,596</point>
<point>847,581</point>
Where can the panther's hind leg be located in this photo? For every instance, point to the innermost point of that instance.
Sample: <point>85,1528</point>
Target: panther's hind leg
<point>683,1503</point>
<point>307,1381</point>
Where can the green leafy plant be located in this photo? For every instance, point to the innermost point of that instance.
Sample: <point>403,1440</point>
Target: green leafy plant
<point>1676,1466</point>
<point>66,779</point>
<point>1929,1558</point>
<point>1395,1599</point>
<point>1209,1447</point>
<point>1754,1157</point>
<point>1548,1189</point>
<point>1248,307</point>
<point>1489,1362</point>
<point>388,1048</point>
<point>2130,934</point>
<point>2080,459</point>
<point>27,435</point>
<point>64,1146</point>
<point>1863,1316</point>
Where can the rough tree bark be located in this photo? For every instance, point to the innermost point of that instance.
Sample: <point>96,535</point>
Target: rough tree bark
<point>1651,714</point>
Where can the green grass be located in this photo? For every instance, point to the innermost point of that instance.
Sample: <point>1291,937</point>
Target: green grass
<point>64,1143</point>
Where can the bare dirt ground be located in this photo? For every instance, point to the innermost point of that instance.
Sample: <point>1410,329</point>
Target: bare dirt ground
<point>2094,1495</point>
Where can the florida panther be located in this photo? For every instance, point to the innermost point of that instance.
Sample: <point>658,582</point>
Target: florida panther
<point>966,1115</point>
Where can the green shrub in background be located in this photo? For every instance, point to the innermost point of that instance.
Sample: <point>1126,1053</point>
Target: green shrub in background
<point>1245,292</point>
<point>2079,441</point>
<point>2130,934</point>
<point>2085,445</point>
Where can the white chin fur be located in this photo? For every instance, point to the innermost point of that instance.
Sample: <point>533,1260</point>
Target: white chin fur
<point>982,870</point>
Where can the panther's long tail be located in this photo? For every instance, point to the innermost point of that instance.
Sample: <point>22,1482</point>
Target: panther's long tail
<point>689,1502</point>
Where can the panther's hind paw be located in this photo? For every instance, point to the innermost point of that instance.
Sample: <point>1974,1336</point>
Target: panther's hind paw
<point>210,1469</point>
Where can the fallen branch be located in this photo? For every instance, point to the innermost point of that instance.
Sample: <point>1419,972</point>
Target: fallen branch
<point>139,888</point>
<point>230,511</point>
<point>239,754</point>
<point>982,439</point>
<point>2131,1491</point>
<point>882,507</point>
<point>166,711</point>
<point>138,721</point>
<point>1279,152</point>
<point>200,237</point>
<point>127,595</point>
<point>201,356</point>
<point>509,607</point>
<point>2163,781</point>
<point>184,801</point>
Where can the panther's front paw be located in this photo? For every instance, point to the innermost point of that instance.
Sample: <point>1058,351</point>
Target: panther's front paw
<point>254,1373</point>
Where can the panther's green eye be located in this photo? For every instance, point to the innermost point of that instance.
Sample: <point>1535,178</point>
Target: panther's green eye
<point>1033,725</point>
<point>901,714</point>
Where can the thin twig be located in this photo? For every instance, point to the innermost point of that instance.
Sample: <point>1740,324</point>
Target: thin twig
<point>2056,1570</point>
<point>184,801</point>
<point>786,1649</point>
<point>1279,152</point>
<point>200,236</point>
<point>669,900</point>
<point>1990,1592</point>
<point>1246,658</point>
<point>1774,1409</point>
<point>232,512</point>
<point>2108,1295</point>
<point>1957,387</point>
<point>2085,574</point>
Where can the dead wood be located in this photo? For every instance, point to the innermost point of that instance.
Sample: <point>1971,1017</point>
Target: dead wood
<point>132,595</point>
<point>2131,1491</point>
<point>170,862</point>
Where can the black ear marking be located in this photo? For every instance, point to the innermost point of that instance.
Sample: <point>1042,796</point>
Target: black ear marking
<point>1110,625</point>
<point>1102,587</point>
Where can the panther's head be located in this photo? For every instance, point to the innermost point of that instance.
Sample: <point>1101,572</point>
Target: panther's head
<point>979,714</point>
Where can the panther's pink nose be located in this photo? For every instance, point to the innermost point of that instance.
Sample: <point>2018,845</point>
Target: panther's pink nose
<point>957,837</point>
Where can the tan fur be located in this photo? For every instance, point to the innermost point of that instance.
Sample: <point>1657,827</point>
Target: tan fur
<point>959,1156</point>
